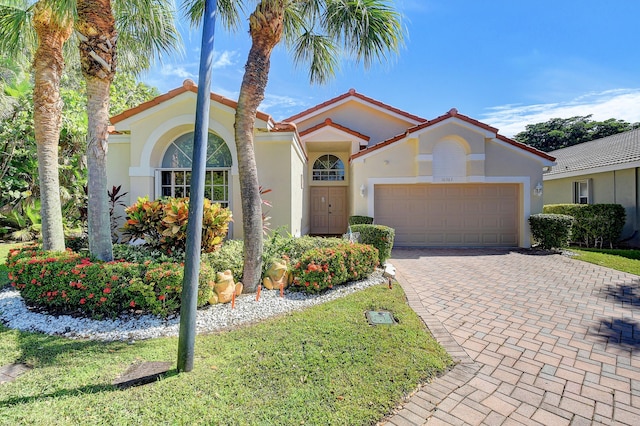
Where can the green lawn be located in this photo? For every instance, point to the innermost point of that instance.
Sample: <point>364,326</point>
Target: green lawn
<point>323,366</point>
<point>621,260</point>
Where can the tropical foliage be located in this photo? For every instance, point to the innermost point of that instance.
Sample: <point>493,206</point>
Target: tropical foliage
<point>162,224</point>
<point>564,132</point>
<point>19,183</point>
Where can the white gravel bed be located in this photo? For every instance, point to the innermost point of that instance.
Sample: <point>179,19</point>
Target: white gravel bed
<point>15,314</point>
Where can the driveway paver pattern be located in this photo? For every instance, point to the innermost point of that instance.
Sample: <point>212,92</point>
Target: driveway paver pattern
<point>538,338</point>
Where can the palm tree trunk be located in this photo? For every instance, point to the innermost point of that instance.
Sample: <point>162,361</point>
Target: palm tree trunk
<point>266,25</point>
<point>97,34</point>
<point>48,65</point>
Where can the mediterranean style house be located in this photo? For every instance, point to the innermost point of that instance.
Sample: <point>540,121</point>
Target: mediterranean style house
<point>451,181</point>
<point>602,171</point>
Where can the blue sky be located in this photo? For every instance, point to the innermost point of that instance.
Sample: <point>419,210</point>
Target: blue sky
<point>507,63</point>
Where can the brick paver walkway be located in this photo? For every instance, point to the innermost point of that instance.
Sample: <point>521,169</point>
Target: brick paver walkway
<point>539,339</point>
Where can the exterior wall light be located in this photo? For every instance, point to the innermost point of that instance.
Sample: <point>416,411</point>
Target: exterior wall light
<point>362,190</point>
<point>538,190</point>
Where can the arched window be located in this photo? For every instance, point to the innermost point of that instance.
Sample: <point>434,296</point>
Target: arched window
<point>176,169</point>
<point>328,167</point>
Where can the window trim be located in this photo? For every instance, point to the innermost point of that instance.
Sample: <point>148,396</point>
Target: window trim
<point>325,174</point>
<point>227,177</point>
<point>577,195</point>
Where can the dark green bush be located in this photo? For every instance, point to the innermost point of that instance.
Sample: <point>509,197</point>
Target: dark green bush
<point>379,236</point>
<point>360,220</point>
<point>595,224</point>
<point>551,231</point>
<point>320,269</point>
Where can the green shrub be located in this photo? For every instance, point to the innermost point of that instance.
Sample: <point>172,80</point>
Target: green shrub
<point>70,283</point>
<point>143,253</point>
<point>163,224</point>
<point>360,220</point>
<point>229,256</point>
<point>379,236</point>
<point>551,231</point>
<point>322,268</point>
<point>595,224</point>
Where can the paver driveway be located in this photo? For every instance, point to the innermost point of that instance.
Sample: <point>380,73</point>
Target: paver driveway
<point>539,339</point>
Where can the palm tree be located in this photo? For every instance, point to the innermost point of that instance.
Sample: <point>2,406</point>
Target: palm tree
<point>51,26</point>
<point>146,28</point>
<point>317,32</point>
<point>152,22</point>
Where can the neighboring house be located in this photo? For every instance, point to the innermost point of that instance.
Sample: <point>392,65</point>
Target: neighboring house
<point>601,171</point>
<point>450,181</point>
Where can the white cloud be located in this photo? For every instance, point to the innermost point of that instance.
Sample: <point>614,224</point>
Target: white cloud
<point>281,106</point>
<point>177,71</point>
<point>622,104</point>
<point>224,59</point>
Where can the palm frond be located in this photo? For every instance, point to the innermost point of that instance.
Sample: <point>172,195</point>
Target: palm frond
<point>367,29</point>
<point>146,31</point>
<point>17,36</point>
<point>319,53</point>
<point>229,12</point>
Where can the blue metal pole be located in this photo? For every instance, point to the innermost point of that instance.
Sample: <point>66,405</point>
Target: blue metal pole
<point>189,304</point>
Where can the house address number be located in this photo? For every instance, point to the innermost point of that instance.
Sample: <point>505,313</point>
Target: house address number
<point>446,179</point>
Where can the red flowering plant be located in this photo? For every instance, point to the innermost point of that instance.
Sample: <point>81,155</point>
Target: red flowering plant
<point>67,283</point>
<point>321,269</point>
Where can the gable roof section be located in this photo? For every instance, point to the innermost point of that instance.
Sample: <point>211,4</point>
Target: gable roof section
<point>610,152</point>
<point>453,113</point>
<point>187,86</point>
<point>329,123</point>
<point>362,98</point>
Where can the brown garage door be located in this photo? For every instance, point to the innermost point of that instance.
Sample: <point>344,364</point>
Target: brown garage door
<point>450,215</point>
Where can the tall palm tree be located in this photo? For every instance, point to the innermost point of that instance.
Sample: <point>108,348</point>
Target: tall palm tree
<point>318,33</point>
<point>40,29</point>
<point>96,27</point>
<point>44,26</point>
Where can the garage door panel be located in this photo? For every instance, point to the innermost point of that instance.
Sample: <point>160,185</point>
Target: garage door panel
<point>449,215</point>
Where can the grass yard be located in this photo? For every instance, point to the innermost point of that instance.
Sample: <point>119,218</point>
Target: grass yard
<point>621,260</point>
<point>324,365</point>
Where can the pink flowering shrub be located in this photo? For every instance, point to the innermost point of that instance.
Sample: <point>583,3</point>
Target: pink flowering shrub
<point>320,269</point>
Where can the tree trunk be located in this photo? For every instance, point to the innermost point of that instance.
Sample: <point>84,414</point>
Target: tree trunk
<point>266,25</point>
<point>48,65</point>
<point>97,34</point>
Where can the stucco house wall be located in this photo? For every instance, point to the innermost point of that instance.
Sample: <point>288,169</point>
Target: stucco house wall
<point>366,151</point>
<point>610,167</point>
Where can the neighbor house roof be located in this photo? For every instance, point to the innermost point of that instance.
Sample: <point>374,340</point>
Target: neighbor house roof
<point>353,94</point>
<point>453,113</point>
<point>611,152</point>
<point>187,86</point>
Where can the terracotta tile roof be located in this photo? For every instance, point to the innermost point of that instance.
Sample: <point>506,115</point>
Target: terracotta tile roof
<point>187,86</point>
<point>606,152</point>
<point>330,123</point>
<point>353,93</point>
<point>451,114</point>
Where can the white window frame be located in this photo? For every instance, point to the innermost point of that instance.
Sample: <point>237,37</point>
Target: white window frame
<point>332,174</point>
<point>580,196</point>
<point>208,184</point>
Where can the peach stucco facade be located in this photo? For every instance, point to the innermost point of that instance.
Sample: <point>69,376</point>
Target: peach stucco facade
<point>326,163</point>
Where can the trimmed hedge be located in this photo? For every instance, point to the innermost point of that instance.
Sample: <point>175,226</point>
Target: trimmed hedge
<point>69,283</point>
<point>379,236</point>
<point>321,269</point>
<point>595,224</point>
<point>360,220</point>
<point>551,231</point>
